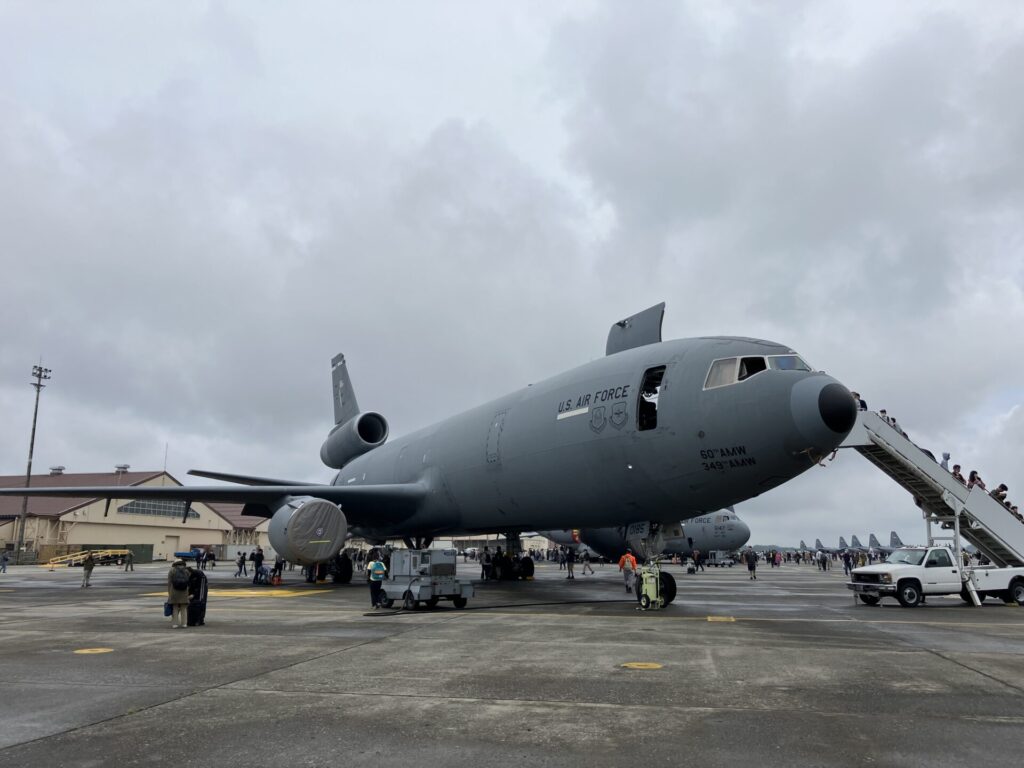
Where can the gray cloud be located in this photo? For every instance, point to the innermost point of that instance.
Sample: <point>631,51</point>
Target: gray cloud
<point>198,211</point>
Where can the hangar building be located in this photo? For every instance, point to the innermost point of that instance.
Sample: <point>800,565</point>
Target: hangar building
<point>152,529</point>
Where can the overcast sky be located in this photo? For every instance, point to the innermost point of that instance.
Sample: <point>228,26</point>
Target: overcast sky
<point>201,203</point>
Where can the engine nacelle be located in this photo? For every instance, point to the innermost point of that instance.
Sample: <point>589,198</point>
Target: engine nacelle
<point>307,530</point>
<point>355,437</point>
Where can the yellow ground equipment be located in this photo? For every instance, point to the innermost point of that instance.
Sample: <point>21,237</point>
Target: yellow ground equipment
<point>101,556</point>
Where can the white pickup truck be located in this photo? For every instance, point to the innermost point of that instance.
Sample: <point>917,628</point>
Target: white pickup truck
<point>911,573</point>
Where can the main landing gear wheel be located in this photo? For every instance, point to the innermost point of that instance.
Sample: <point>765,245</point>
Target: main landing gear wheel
<point>909,594</point>
<point>874,599</point>
<point>668,587</point>
<point>342,569</point>
<point>526,567</point>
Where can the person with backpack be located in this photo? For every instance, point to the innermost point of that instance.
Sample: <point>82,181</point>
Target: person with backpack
<point>177,593</point>
<point>376,570</point>
<point>627,564</point>
<point>241,566</point>
<point>485,564</point>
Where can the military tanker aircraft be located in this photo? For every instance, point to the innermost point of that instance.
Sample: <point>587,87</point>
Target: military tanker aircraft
<point>654,431</point>
<point>721,530</point>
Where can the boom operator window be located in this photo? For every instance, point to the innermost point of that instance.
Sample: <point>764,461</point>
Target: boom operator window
<point>647,403</point>
<point>731,370</point>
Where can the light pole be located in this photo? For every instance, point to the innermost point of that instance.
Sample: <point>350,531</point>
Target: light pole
<point>41,374</point>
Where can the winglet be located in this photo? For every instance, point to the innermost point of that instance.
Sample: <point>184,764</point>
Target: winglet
<point>639,330</point>
<point>345,405</point>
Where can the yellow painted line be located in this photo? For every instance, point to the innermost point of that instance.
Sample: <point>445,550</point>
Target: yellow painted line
<point>93,650</point>
<point>266,592</point>
<point>7,590</point>
<point>642,665</point>
<point>722,618</point>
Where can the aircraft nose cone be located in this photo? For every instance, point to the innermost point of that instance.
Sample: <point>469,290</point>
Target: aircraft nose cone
<point>823,412</point>
<point>838,411</point>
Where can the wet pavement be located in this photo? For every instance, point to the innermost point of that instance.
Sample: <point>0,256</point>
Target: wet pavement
<point>784,670</point>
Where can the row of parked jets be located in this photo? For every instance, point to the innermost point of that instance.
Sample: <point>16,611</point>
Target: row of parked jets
<point>874,547</point>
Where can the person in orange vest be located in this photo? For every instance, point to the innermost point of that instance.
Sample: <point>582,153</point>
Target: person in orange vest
<point>627,564</point>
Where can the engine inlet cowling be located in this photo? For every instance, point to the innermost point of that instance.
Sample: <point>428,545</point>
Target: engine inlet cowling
<point>355,437</point>
<point>308,530</point>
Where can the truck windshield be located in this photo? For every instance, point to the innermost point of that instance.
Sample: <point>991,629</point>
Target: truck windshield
<point>908,556</point>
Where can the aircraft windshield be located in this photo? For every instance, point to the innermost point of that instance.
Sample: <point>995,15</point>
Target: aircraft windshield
<point>788,363</point>
<point>907,556</point>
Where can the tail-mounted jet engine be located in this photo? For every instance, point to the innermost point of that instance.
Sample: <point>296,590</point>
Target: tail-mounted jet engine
<point>360,434</point>
<point>308,530</point>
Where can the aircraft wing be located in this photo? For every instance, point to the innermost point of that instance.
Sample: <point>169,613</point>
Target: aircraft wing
<point>362,504</point>
<point>244,479</point>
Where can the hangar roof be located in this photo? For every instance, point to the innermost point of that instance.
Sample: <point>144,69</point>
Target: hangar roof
<point>40,506</point>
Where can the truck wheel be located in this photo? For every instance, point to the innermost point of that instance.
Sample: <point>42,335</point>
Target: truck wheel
<point>432,602</point>
<point>407,602</point>
<point>966,596</point>
<point>459,602</point>
<point>908,593</point>
<point>869,599</point>
<point>1017,592</point>
<point>389,603</point>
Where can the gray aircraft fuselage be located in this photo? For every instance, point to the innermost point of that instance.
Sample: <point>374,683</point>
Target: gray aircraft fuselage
<point>567,452</point>
<point>722,530</point>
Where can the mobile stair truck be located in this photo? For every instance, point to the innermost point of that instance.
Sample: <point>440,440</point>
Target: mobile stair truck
<point>425,576</point>
<point>952,512</point>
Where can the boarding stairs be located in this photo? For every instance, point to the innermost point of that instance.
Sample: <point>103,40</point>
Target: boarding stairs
<point>77,558</point>
<point>944,501</point>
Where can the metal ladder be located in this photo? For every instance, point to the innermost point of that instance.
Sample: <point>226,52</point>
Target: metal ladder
<point>971,514</point>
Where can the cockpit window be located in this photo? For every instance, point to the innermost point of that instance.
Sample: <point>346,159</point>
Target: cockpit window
<point>788,363</point>
<point>722,372</point>
<point>751,365</point>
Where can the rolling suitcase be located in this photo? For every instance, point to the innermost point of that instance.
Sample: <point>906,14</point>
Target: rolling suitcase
<point>197,591</point>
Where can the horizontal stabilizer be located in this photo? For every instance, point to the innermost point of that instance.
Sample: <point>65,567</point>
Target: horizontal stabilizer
<point>641,329</point>
<point>362,504</point>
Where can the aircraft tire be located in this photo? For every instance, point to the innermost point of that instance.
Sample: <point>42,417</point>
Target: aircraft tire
<point>668,587</point>
<point>872,599</point>
<point>645,602</point>
<point>909,593</point>
<point>526,567</point>
<point>459,602</point>
<point>342,569</point>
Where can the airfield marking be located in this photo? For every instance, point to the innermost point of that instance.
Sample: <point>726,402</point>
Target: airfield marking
<point>86,651</point>
<point>722,618</point>
<point>252,593</point>
<point>642,665</point>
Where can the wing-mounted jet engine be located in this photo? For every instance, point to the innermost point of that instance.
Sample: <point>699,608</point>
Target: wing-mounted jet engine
<point>307,530</point>
<point>354,432</point>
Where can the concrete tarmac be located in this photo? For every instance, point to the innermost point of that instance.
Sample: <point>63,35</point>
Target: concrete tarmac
<point>787,670</point>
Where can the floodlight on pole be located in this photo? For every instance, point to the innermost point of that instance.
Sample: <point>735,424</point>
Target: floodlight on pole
<point>40,374</point>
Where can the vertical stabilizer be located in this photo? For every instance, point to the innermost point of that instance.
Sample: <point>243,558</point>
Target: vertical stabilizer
<point>345,405</point>
<point>843,544</point>
<point>802,545</point>
<point>856,543</point>
<point>894,540</point>
<point>818,544</point>
<point>873,541</point>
